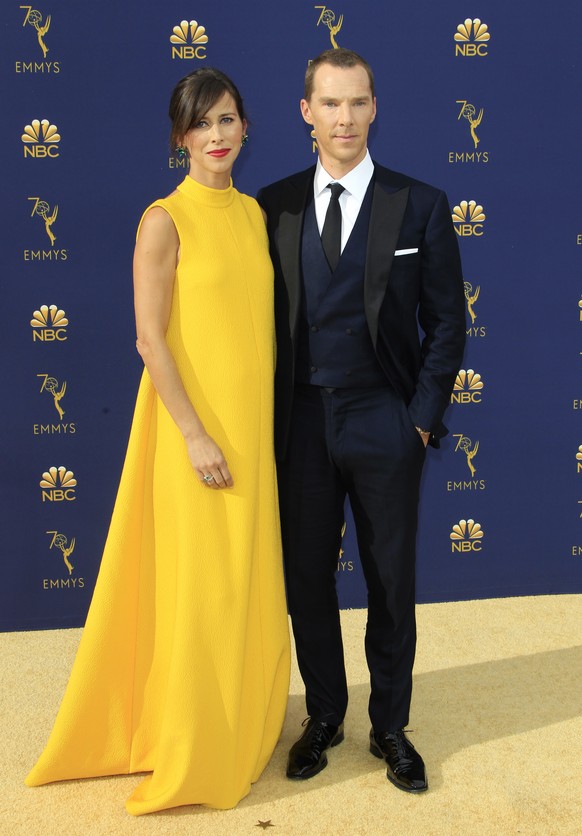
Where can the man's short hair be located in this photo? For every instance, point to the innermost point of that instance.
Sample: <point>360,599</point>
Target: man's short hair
<point>344,58</point>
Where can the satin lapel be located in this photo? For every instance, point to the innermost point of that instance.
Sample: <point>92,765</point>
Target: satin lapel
<point>385,221</point>
<point>290,228</point>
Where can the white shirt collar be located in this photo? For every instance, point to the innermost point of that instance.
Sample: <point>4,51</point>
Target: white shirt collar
<point>355,182</point>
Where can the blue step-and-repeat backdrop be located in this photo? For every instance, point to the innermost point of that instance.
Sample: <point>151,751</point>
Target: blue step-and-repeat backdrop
<point>481,99</point>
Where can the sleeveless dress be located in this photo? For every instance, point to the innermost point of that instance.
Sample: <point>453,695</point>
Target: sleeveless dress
<point>183,665</point>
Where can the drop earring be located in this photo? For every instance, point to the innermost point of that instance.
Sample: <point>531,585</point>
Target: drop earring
<point>181,151</point>
<point>244,140</point>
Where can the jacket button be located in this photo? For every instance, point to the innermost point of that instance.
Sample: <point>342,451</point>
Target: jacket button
<point>314,328</point>
<point>313,369</point>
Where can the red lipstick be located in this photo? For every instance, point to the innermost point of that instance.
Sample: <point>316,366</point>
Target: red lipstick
<point>222,152</point>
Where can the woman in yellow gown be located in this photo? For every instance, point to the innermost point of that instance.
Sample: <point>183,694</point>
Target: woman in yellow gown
<point>183,666</point>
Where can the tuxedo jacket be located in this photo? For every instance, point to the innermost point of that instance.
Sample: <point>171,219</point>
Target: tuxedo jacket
<point>413,292</point>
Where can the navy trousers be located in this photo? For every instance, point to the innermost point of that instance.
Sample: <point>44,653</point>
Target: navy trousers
<point>362,444</point>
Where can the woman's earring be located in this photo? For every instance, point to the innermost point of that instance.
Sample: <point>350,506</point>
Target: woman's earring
<point>181,151</point>
<point>244,140</point>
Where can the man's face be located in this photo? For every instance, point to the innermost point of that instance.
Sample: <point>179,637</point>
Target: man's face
<point>341,110</point>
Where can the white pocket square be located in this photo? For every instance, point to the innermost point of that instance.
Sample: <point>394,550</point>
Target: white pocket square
<point>406,252</point>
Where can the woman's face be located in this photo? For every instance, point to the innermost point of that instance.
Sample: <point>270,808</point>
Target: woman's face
<point>214,143</point>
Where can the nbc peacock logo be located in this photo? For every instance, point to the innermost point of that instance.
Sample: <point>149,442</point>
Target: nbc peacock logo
<point>40,139</point>
<point>466,536</point>
<point>189,40</point>
<point>468,387</point>
<point>49,324</point>
<point>58,485</point>
<point>468,217</point>
<point>472,39</point>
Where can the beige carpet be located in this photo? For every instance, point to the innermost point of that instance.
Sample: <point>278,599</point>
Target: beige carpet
<point>497,712</point>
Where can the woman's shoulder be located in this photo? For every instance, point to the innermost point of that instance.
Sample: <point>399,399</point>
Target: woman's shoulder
<point>157,221</point>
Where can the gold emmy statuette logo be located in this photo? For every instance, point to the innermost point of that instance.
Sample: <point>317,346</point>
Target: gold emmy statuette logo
<point>469,113</point>
<point>43,210</point>
<point>60,542</point>
<point>49,324</point>
<point>579,459</point>
<point>189,39</point>
<point>466,536</point>
<point>468,218</point>
<point>51,385</point>
<point>468,387</point>
<point>58,484</point>
<point>471,297</point>
<point>40,139</point>
<point>580,309</point>
<point>472,38</point>
<point>34,18</point>
<point>344,565</point>
<point>464,444</point>
<point>327,17</point>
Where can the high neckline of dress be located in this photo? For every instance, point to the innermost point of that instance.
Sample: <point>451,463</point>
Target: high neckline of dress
<point>205,194</point>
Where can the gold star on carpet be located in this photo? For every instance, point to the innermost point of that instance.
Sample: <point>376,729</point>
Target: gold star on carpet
<point>264,824</point>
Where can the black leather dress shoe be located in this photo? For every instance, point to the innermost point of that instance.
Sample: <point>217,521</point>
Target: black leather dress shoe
<point>307,756</point>
<point>405,766</point>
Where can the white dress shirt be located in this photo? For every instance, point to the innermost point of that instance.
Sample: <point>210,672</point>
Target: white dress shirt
<point>355,183</point>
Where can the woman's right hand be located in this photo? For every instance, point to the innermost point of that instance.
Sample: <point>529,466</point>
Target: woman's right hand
<point>208,461</point>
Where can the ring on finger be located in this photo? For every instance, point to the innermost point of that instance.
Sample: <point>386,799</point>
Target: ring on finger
<point>208,478</point>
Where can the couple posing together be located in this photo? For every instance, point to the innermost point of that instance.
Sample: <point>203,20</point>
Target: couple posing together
<point>183,667</point>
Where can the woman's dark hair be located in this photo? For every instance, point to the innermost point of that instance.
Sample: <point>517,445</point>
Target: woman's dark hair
<point>194,95</point>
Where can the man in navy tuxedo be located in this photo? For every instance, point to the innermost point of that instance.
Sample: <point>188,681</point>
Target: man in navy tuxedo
<point>363,256</point>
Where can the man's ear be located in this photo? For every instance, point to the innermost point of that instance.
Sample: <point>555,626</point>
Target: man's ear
<point>306,111</point>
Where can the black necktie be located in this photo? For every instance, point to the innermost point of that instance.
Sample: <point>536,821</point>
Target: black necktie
<point>331,234</point>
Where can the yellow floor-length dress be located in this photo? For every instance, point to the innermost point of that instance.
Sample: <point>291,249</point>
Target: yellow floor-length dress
<point>183,665</point>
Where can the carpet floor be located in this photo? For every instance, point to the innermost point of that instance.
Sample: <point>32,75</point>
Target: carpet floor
<point>496,714</point>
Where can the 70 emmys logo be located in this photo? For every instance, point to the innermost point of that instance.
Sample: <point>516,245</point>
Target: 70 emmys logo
<point>471,38</point>
<point>60,542</point>
<point>34,18</point>
<point>42,209</point>
<point>50,324</point>
<point>58,485</point>
<point>190,39</point>
<point>466,536</point>
<point>40,139</point>
<point>327,17</point>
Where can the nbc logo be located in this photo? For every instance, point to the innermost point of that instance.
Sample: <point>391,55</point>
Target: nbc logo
<point>466,536</point>
<point>49,324</point>
<point>468,218</point>
<point>188,40</point>
<point>40,139</point>
<point>472,38</point>
<point>58,485</point>
<point>468,387</point>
